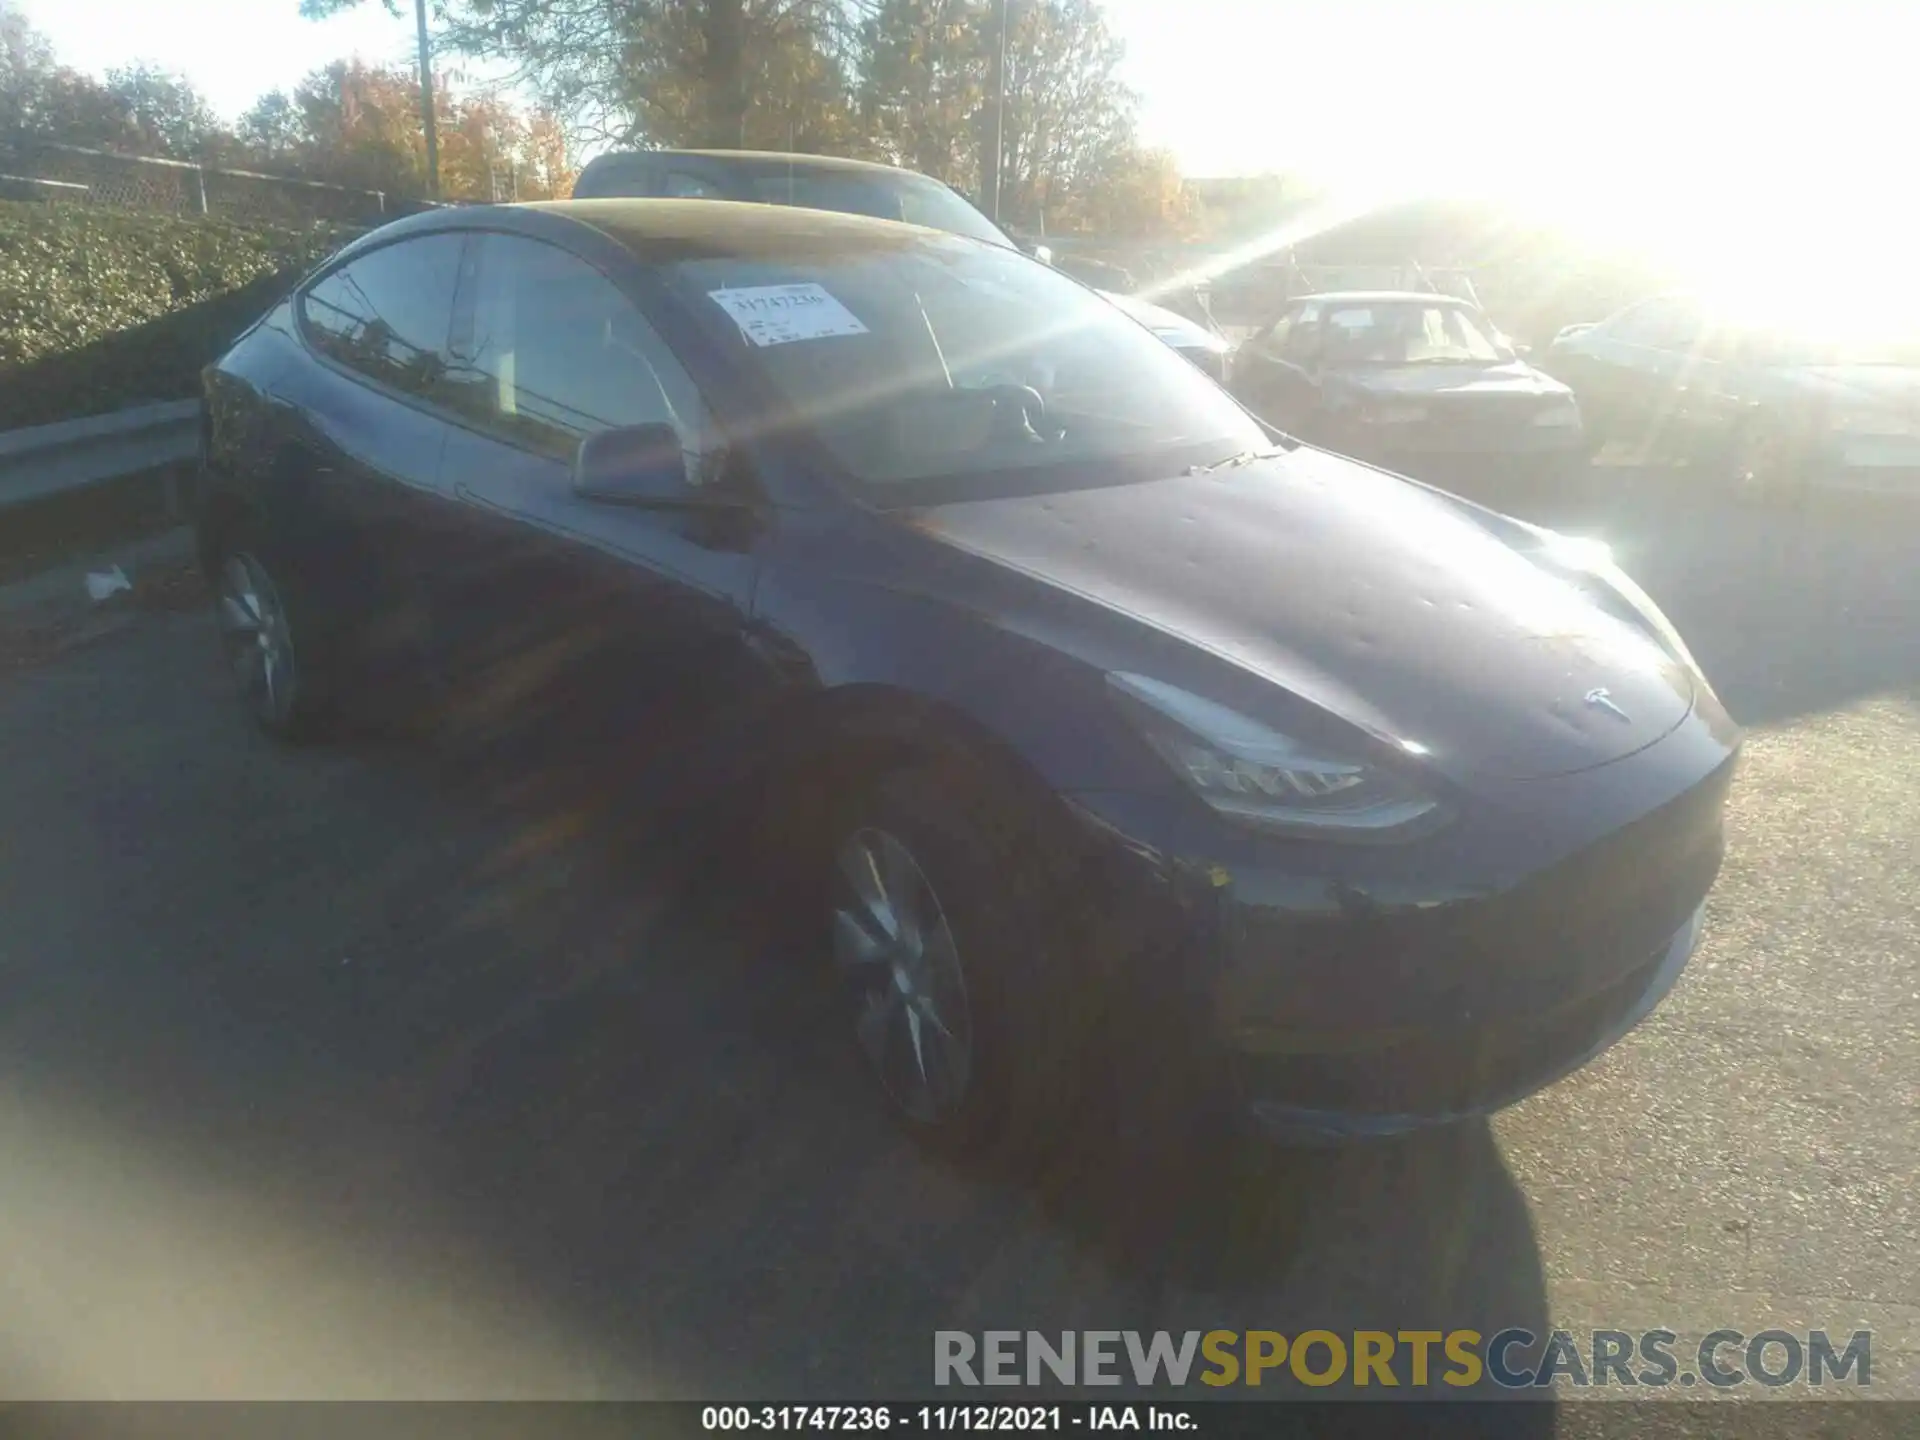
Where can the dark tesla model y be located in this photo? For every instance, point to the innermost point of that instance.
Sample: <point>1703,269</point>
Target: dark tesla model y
<point>1125,736</point>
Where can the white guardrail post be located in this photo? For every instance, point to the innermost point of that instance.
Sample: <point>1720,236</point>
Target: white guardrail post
<point>47,460</point>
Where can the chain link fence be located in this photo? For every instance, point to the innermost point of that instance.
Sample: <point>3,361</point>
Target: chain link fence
<point>49,171</point>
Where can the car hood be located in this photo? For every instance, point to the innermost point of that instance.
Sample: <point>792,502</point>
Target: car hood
<point>1363,594</point>
<point>1513,378</point>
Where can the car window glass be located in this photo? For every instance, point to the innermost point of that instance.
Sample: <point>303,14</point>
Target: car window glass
<point>1659,325</point>
<point>1399,333</point>
<point>1354,333</point>
<point>682,185</point>
<point>829,192</point>
<point>1276,338</point>
<point>556,353</point>
<point>1303,339</point>
<point>916,357</point>
<point>912,198</point>
<point>386,313</point>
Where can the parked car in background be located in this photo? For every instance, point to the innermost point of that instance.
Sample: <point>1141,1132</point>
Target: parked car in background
<point>1416,382</point>
<point>1771,407</point>
<point>1110,732</point>
<point>856,187</point>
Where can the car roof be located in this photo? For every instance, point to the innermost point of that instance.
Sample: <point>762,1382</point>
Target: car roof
<point>684,229</point>
<point>752,159</point>
<point>659,231</point>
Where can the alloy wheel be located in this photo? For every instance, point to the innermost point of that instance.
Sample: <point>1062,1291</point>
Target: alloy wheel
<point>257,638</point>
<point>897,954</point>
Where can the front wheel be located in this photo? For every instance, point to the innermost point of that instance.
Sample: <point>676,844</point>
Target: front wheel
<point>951,936</point>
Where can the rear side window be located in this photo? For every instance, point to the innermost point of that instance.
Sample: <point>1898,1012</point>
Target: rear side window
<point>550,352</point>
<point>386,313</point>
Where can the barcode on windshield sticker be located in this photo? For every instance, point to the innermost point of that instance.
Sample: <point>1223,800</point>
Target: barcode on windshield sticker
<point>782,314</point>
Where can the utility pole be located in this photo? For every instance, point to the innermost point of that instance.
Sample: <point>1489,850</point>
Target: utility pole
<point>426,101</point>
<point>990,176</point>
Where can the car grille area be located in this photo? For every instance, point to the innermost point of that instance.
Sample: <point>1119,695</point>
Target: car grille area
<point>1449,1071</point>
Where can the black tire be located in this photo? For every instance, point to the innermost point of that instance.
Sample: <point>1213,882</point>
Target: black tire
<point>1033,998</point>
<point>271,647</point>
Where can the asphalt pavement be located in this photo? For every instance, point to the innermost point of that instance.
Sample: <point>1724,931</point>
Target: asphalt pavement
<point>371,1071</point>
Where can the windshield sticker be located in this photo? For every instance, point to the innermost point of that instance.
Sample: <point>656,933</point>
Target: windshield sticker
<point>782,314</point>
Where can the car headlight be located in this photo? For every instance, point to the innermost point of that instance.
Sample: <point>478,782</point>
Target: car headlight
<point>1395,414</point>
<point>1565,416</point>
<point>1255,774</point>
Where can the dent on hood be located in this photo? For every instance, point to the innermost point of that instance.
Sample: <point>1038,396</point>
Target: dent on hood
<point>1352,591</point>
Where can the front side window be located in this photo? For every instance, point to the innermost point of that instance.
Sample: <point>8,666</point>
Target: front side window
<point>917,358</point>
<point>386,313</point>
<point>549,351</point>
<point>1303,338</point>
<point>1275,341</point>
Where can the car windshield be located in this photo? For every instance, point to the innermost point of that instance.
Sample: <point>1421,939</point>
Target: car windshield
<point>1397,333</point>
<point>945,359</point>
<point>912,198</point>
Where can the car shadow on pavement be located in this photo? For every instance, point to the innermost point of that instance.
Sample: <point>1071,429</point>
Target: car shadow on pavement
<point>410,1010</point>
<point>685,1147</point>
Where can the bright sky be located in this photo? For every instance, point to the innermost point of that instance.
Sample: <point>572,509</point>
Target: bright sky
<point>1739,133</point>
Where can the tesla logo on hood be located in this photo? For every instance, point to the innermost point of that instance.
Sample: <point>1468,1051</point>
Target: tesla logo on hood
<point>1600,698</point>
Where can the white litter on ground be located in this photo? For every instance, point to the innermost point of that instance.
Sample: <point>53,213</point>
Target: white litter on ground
<point>102,584</point>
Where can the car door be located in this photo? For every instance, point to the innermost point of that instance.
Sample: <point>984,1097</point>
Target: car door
<point>559,603</point>
<point>357,481</point>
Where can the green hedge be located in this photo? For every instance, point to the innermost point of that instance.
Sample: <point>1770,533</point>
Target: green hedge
<point>103,308</point>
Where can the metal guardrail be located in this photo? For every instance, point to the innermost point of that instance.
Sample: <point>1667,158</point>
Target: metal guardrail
<point>46,460</point>
<point>46,169</point>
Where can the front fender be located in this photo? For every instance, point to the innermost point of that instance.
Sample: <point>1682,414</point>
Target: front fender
<point>870,612</point>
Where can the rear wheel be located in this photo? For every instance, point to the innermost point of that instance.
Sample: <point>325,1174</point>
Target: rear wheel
<point>265,646</point>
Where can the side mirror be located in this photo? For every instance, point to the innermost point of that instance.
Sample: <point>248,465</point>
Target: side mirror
<point>641,465</point>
